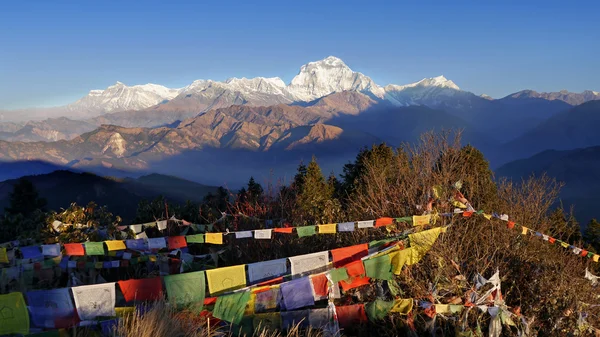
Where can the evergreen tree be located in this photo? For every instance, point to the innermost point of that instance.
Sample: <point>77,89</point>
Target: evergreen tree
<point>255,191</point>
<point>591,235</point>
<point>300,177</point>
<point>24,199</point>
<point>478,182</point>
<point>564,227</point>
<point>315,201</point>
<point>379,157</point>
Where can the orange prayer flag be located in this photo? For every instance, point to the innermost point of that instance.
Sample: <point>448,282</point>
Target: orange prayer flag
<point>210,300</point>
<point>467,214</point>
<point>551,240</point>
<point>584,252</point>
<point>354,282</point>
<point>349,316</point>
<point>510,224</point>
<point>176,242</point>
<point>343,256</point>
<point>356,268</point>
<point>141,290</point>
<point>383,222</point>
<point>74,249</point>
<point>320,285</point>
<point>286,230</point>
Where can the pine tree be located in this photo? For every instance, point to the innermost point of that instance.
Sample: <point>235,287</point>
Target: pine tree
<point>255,191</point>
<point>379,157</point>
<point>314,193</point>
<point>24,199</point>
<point>591,235</point>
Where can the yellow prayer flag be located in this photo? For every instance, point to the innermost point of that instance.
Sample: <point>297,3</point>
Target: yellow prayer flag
<point>14,317</point>
<point>442,309</point>
<point>596,257</point>
<point>403,306</point>
<point>458,204</point>
<point>564,244</point>
<point>226,279</point>
<point>215,238</point>
<point>115,245</point>
<point>421,220</point>
<point>3,255</point>
<point>124,311</point>
<point>456,308</point>
<point>421,242</point>
<point>525,230</point>
<point>487,216</point>
<point>328,229</point>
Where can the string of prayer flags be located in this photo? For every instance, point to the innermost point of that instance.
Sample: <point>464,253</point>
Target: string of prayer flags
<point>186,290</point>
<point>214,238</point>
<point>74,249</point>
<point>49,307</point>
<point>13,314</point>
<point>243,235</point>
<point>50,250</point>
<point>261,271</point>
<point>304,231</point>
<point>113,245</point>
<point>402,306</point>
<point>351,315</point>
<point>297,293</point>
<point>95,300</point>
<point>309,263</point>
<point>378,309</point>
<point>226,279</point>
<point>94,248</point>
<point>231,307</point>
<point>421,220</point>
<point>328,229</point>
<point>345,255</point>
<point>379,267</point>
<point>346,227</point>
<point>141,289</point>
<point>262,234</point>
<point>365,224</point>
<point>176,242</point>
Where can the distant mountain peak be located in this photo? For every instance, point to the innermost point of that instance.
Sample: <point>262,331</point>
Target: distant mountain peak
<point>566,96</point>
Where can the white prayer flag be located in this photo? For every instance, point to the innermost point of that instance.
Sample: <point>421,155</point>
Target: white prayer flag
<point>262,234</point>
<point>95,300</point>
<point>136,228</point>
<point>162,224</point>
<point>365,224</point>
<point>141,235</point>
<point>309,263</point>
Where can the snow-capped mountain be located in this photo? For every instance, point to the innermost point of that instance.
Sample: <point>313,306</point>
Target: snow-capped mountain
<point>327,76</point>
<point>571,98</point>
<point>428,91</point>
<point>120,97</point>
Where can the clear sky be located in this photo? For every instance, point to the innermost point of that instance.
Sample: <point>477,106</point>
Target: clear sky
<point>53,52</point>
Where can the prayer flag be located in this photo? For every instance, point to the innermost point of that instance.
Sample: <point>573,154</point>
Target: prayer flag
<point>48,250</point>
<point>226,279</point>
<point>297,293</point>
<point>487,216</point>
<point>214,238</point>
<point>230,308</point>
<point>262,271</point>
<point>196,238</point>
<point>136,228</point>
<point>403,306</point>
<point>94,248</point>
<point>354,282</point>
<point>266,299</point>
<point>356,268</point>
<point>327,229</point>
<point>596,257</point>
<point>350,316</point>
<point>95,300</point>
<point>284,230</point>
<point>309,263</point>
<point>291,319</point>
<point>141,290</point>
<point>381,222</point>
<point>365,224</point>
<point>156,243</point>
<point>243,235</point>
<point>421,242</point>
<point>320,286</point>
<point>162,225</point>
<point>74,249</point>
<point>343,256</point>
<point>306,231</point>
<point>524,230</point>
<point>31,252</point>
<point>346,227</point>
<point>262,234</point>
<point>405,219</point>
<point>176,242</point>
<point>115,245</point>
<point>14,318</point>
<point>379,267</point>
<point>141,236</point>
<point>186,289</point>
<point>421,220</point>
<point>510,224</point>
<point>339,274</point>
<point>138,244</point>
<point>48,307</point>
<point>3,255</point>
<point>378,309</point>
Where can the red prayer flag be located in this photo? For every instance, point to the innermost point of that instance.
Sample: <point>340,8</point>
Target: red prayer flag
<point>141,290</point>
<point>383,222</point>
<point>210,301</point>
<point>583,252</point>
<point>356,268</point>
<point>343,256</point>
<point>287,230</point>
<point>351,315</point>
<point>510,224</point>
<point>176,242</point>
<point>552,240</point>
<point>467,214</point>
<point>320,285</point>
<point>74,249</point>
<point>354,283</point>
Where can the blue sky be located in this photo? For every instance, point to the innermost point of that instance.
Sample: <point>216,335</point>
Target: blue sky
<point>53,52</point>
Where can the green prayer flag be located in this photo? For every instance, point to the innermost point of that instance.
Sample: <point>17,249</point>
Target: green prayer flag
<point>379,267</point>
<point>407,219</point>
<point>378,243</point>
<point>196,238</point>
<point>378,309</point>
<point>186,290</point>
<point>14,317</point>
<point>230,308</point>
<point>94,248</point>
<point>306,231</point>
<point>339,274</point>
